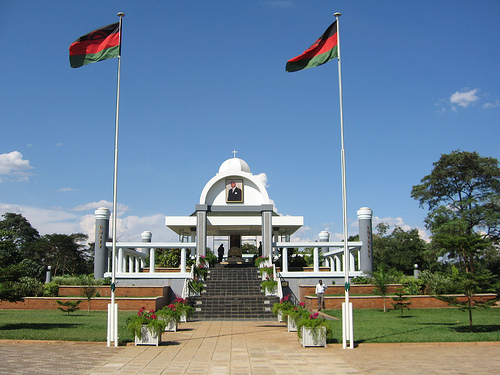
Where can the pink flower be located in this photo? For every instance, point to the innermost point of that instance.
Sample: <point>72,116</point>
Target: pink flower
<point>153,316</point>
<point>302,304</point>
<point>314,316</point>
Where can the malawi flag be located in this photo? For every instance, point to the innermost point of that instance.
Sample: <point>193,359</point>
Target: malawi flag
<point>100,44</point>
<point>322,51</point>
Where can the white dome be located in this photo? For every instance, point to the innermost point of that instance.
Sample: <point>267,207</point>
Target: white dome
<point>234,165</point>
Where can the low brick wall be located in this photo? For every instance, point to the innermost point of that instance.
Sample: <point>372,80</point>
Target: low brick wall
<point>96,304</point>
<point>377,302</point>
<point>306,290</point>
<point>120,291</point>
<point>127,298</point>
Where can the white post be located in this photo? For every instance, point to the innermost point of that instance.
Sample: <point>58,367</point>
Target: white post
<point>152,260</point>
<point>284,259</point>
<point>316,259</point>
<point>183,260</point>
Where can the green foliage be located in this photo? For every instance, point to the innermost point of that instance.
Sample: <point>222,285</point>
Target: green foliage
<point>462,193</point>
<point>359,280</point>
<point>296,313</point>
<point>183,307</point>
<point>89,289</point>
<point>381,280</point>
<point>9,292</point>
<point>258,261</point>
<point>170,258</point>
<point>69,306</point>
<point>269,284</point>
<point>399,249</point>
<point>146,318</point>
<point>282,305</point>
<point>266,270</point>
<point>211,258</point>
<point>29,287</point>
<point>195,286</point>
<point>51,289</point>
<point>78,280</point>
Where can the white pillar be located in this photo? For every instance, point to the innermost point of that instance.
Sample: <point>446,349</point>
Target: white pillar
<point>120,260</point>
<point>284,259</point>
<point>130,264</point>
<point>152,260</point>
<point>183,260</point>
<point>316,259</point>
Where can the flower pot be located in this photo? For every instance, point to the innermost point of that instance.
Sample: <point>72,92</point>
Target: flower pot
<point>280,316</point>
<point>171,326</point>
<point>291,324</point>
<point>184,318</point>
<point>147,337</point>
<point>313,336</point>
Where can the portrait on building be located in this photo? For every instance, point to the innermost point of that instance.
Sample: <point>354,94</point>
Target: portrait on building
<point>234,191</point>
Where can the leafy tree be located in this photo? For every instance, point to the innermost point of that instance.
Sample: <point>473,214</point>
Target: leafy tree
<point>89,289</point>
<point>399,249</point>
<point>463,197</point>
<point>19,229</point>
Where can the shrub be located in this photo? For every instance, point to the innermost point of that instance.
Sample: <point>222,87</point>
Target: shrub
<point>29,287</point>
<point>51,289</point>
<point>360,280</point>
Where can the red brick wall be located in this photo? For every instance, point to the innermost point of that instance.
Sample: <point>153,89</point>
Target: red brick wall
<point>377,302</point>
<point>306,290</point>
<point>120,291</point>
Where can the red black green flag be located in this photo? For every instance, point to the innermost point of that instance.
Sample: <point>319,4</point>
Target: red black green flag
<point>100,44</point>
<point>323,50</point>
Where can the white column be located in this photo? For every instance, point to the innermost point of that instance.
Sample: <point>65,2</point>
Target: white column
<point>120,260</point>
<point>183,260</point>
<point>151,260</point>
<point>284,259</point>
<point>316,259</point>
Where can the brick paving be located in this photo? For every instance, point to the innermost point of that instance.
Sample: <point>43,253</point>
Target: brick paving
<point>245,347</point>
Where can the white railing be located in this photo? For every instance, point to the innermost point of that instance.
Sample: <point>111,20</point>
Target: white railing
<point>333,253</point>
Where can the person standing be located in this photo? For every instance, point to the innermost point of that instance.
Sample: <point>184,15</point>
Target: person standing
<point>220,251</point>
<point>320,294</point>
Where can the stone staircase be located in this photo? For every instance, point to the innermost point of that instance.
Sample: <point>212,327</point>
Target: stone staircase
<point>233,292</point>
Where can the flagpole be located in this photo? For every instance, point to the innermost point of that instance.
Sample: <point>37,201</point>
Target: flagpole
<point>346,308</point>
<point>113,309</point>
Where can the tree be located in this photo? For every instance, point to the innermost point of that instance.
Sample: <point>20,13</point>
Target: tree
<point>462,193</point>
<point>399,249</point>
<point>463,197</point>
<point>381,280</point>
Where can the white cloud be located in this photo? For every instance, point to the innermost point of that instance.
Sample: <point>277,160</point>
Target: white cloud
<point>57,220</point>
<point>465,98</point>
<point>102,203</point>
<point>493,104</point>
<point>14,166</point>
<point>263,178</point>
<point>66,189</point>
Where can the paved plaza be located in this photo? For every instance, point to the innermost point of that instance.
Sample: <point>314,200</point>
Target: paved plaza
<point>243,347</point>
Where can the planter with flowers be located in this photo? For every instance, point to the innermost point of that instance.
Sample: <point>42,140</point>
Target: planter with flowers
<point>260,261</point>
<point>170,315</point>
<point>270,286</point>
<point>312,330</point>
<point>146,327</point>
<point>266,272</point>
<point>294,315</point>
<point>195,286</point>
<point>200,271</point>
<point>282,305</point>
<point>184,308</point>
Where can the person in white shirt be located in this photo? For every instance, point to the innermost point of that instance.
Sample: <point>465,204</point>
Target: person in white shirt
<point>320,293</point>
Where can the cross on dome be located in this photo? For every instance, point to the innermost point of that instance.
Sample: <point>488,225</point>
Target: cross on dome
<point>234,153</point>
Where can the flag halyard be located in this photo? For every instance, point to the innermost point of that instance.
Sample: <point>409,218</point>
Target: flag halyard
<point>324,49</point>
<point>99,44</point>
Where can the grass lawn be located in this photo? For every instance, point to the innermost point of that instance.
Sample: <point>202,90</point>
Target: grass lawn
<point>370,326</point>
<point>57,325</point>
<point>419,325</point>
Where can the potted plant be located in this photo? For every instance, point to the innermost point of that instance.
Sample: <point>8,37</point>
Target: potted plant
<point>312,330</point>
<point>294,315</point>
<point>201,271</point>
<point>184,308</point>
<point>171,316</point>
<point>265,272</point>
<point>195,286</point>
<point>282,305</point>
<point>146,327</point>
<point>269,285</point>
<point>260,261</point>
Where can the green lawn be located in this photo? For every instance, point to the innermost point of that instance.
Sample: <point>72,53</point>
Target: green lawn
<point>419,325</point>
<point>57,325</point>
<point>370,326</point>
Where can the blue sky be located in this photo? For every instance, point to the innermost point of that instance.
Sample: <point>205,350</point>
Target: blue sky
<point>200,79</point>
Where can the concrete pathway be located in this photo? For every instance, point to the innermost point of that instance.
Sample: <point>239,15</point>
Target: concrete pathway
<point>242,347</point>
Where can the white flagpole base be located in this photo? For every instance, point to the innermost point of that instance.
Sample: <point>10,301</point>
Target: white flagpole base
<point>347,326</point>
<point>112,324</point>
